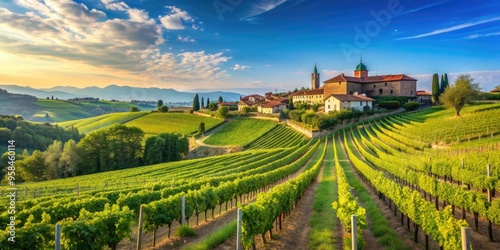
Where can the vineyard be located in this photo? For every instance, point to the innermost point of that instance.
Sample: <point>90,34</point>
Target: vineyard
<point>412,180</point>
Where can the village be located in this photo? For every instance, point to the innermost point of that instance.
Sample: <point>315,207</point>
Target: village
<point>341,92</point>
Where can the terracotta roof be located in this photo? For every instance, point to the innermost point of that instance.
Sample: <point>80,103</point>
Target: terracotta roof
<point>258,97</point>
<point>309,92</point>
<point>271,104</point>
<point>423,93</point>
<point>242,102</point>
<point>350,97</point>
<point>369,79</point>
<point>495,91</point>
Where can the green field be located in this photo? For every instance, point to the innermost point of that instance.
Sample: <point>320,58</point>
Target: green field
<point>150,123</point>
<point>57,111</point>
<point>240,132</point>
<point>156,123</point>
<point>90,124</point>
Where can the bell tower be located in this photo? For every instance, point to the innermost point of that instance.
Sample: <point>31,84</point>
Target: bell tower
<point>315,78</point>
<point>361,70</point>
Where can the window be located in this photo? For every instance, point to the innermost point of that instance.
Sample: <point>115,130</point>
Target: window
<point>373,85</point>
<point>335,107</point>
<point>411,92</point>
<point>385,84</point>
<point>340,83</point>
<point>328,106</point>
<point>361,103</point>
<point>380,91</point>
<point>391,91</point>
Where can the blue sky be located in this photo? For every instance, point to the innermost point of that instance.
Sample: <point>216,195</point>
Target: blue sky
<point>244,45</point>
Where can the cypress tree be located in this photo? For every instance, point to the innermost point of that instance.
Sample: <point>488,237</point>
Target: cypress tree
<point>196,103</point>
<point>202,102</point>
<point>220,99</point>
<point>290,104</point>
<point>447,84</point>
<point>208,101</point>
<point>435,88</point>
<point>442,85</point>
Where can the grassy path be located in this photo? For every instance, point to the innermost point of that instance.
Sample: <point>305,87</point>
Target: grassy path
<point>378,225</point>
<point>326,232</point>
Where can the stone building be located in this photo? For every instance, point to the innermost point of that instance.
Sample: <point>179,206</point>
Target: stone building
<point>361,82</point>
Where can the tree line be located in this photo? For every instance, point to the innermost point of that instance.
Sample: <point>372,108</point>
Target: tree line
<point>34,135</point>
<point>112,148</point>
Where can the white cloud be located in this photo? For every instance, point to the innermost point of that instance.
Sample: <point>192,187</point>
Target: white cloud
<point>453,28</point>
<point>70,32</point>
<point>135,15</point>
<point>185,39</point>
<point>176,19</point>
<point>263,7</point>
<point>240,67</point>
<point>474,36</point>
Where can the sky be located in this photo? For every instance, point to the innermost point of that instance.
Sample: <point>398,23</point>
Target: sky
<point>243,45</point>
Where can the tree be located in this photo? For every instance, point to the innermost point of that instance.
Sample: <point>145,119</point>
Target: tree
<point>201,128</point>
<point>290,104</point>
<point>160,103</point>
<point>435,88</point>
<point>212,106</point>
<point>463,91</point>
<point>442,85</point>
<point>32,168</point>
<point>111,148</point>
<point>52,158</point>
<point>202,102</point>
<point>220,99</point>
<point>133,109</point>
<point>223,112</point>
<point>196,103</point>
<point>446,83</point>
<point>69,159</point>
<point>163,109</point>
<point>208,102</point>
<point>165,147</point>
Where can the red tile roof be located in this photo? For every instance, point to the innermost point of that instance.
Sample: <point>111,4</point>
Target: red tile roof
<point>309,92</point>
<point>423,93</point>
<point>370,79</point>
<point>350,97</point>
<point>271,104</point>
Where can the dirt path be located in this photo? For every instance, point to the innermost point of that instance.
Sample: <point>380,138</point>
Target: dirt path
<point>200,140</point>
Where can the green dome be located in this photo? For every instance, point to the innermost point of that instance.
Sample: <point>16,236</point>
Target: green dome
<point>361,66</point>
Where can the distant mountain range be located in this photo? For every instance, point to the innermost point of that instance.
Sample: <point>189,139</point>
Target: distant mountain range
<point>123,93</point>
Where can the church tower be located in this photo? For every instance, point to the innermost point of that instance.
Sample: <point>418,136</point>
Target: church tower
<point>361,70</point>
<point>315,78</point>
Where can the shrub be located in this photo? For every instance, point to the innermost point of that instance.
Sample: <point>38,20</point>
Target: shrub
<point>389,104</point>
<point>308,117</point>
<point>184,231</point>
<point>410,106</point>
<point>296,115</point>
<point>163,109</point>
<point>223,112</point>
<point>246,110</point>
<point>133,109</point>
<point>212,106</point>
